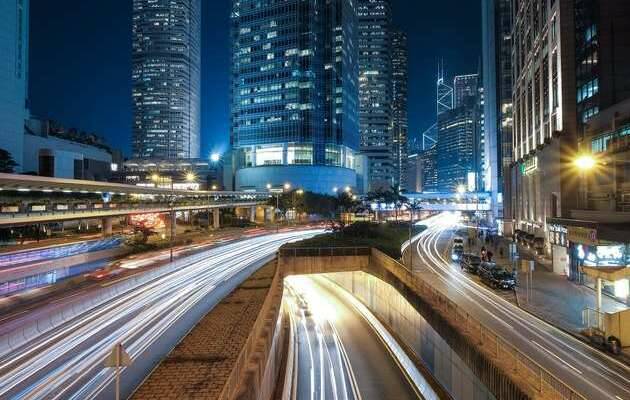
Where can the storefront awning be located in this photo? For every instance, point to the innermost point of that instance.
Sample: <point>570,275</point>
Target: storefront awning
<point>609,232</point>
<point>610,274</point>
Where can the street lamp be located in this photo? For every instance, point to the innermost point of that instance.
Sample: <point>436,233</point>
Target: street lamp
<point>584,163</point>
<point>287,186</point>
<point>215,157</point>
<point>461,189</point>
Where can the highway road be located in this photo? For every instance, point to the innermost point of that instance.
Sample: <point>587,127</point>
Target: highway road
<point>588,371</point>
<point>339,355</point>
<point>66,362</point>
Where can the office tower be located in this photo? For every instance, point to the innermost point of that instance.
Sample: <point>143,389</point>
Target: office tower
<point>464,86</point>
<point>375,93</point>
<point>543,180</point>
<point>166,75</point>
<point>497,82</point>
<point>399,104</point>
<point>14,25</point>
<point>455,146</point>
<point>602,56</point>
<point>294,111</point>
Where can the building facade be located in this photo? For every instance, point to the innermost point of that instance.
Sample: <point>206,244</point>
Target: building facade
<point>375,93</point>
<point>455,147</point>
<point>14,27</point>
<point>294,111</point>
<point>498,122</point>
<point>422,173</point>
<point>166,78</point>
<point>51,150</point>
<point>544,182</point>
<point>400,117</point>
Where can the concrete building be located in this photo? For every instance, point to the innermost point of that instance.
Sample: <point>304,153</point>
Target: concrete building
<point>497,108</point>
<point>166,78</point>
<point>14,28</point>
<point>590,241</point>
<point>294,111</point>
<point>52,151</point>
<point>422,171</point>
<point>400,77</point>
<point>544,109</point>
<point>183,174</point>
<point>375,93</point>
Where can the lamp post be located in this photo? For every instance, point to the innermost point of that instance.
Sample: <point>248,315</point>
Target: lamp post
<point>190,177</point>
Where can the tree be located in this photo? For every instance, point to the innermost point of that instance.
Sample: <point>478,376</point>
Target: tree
<point>7,163</point>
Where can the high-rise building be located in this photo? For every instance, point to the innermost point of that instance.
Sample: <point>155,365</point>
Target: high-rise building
<point>497,82</point>
<point>14,23</point>
<point>468,92</point>
<point>465,86</point>
<point>544,182</point>
<point>399,104</point>
<point>294,111</point>
<point>455,147</point>
<point>166,78</point>
<point>422,171</point>
<point>375,93</point>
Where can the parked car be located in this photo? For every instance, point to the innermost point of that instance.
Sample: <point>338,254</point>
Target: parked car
<point>499,278</point>
<point>485,268</point>
<point>470,262</point>
<point>458,240</point>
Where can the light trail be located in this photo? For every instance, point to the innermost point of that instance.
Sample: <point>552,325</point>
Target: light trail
<point>592,373</point>
<point>66,362</point>
<point>345,335</point>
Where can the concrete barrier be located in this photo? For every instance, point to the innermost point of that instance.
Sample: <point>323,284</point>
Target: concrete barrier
<point>492,350</point>
<point>258,365</point>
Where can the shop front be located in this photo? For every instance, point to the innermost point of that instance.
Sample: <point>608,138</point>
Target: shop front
<point>584,250</point>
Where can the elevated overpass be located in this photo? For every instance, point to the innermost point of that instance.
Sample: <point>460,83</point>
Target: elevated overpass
<point>27,200</point>
<point>442,201</point>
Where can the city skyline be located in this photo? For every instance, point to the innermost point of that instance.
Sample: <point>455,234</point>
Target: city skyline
<point>59,72</point>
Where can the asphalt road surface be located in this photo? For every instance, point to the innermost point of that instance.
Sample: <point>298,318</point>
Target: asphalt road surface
<point>339,356</point>
<point>66,362</point>
<point>588,371</point>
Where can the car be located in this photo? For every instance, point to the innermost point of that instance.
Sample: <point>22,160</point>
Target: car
<point>485,268</point>
<point>457,252</point>
<point>497,277</point>
<point>458,240</point>
<point>470,262</point>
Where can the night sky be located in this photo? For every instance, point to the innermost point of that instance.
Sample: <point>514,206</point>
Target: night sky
<point>80,62</point>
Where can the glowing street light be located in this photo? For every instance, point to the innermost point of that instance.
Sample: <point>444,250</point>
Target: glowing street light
<point>347,189</point>
<point>190,176</point>
<point>585,162</point>
<point>335,189</point>
<point>215,157</point>
<point>269,186</point>
<point>287,186</point>
<point>461,189</point>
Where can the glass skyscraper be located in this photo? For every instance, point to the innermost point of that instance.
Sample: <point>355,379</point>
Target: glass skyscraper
<point>400,60</point>
<point>13,76</point>
<point>375,93</point>
<point>166,57</point>
<point>294,111</point>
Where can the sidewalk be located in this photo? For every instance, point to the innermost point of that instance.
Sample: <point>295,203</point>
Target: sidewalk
<point>552,298</point>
